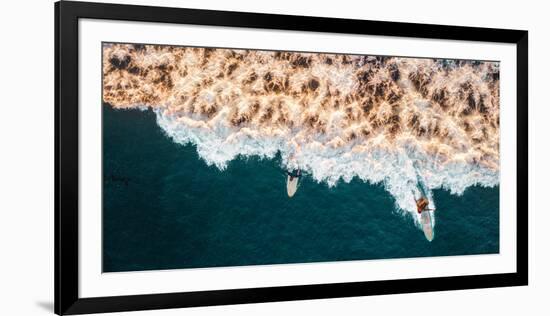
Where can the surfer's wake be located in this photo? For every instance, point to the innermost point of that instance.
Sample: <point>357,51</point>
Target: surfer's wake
<point>394,121</point>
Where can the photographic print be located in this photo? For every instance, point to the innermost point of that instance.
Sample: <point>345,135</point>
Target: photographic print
<point>217,157</point>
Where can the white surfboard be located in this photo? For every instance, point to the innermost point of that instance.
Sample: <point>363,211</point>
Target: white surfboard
<point>427,224</point>
<point>291,185</point>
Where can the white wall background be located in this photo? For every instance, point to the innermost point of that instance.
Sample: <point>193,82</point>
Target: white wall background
<point>26,159</point>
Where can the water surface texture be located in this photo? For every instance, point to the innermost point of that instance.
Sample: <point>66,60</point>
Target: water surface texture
<point>165,208</point>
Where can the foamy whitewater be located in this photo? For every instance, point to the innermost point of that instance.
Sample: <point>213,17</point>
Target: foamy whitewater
<point>406,123</point>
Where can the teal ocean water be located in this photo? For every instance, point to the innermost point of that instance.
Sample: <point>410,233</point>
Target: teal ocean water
<point>164,208</point>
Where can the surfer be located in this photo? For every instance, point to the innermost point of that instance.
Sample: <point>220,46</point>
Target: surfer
<point>422,205</point>
<point>292,181</point>
<point>426,218</point>
<point>294,174</point>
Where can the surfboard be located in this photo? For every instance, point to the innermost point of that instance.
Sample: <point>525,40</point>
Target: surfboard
<point>291,185</point>
<point>427,224</point>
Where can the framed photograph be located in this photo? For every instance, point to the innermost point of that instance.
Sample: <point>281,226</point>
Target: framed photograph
<point>210,158</point>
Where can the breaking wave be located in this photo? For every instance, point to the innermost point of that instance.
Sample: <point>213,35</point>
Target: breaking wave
<point>409,124</point>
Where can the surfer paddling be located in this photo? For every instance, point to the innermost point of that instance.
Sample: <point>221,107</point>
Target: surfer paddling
<point>292,181</point>
<point>294,175</point>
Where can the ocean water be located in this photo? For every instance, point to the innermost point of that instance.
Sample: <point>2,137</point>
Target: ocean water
<point>164,208</point>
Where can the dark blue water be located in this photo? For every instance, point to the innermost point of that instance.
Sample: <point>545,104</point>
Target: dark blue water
<point>164,208</point>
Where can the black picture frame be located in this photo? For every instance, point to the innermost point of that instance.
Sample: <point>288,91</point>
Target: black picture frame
<point>67,15</point>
